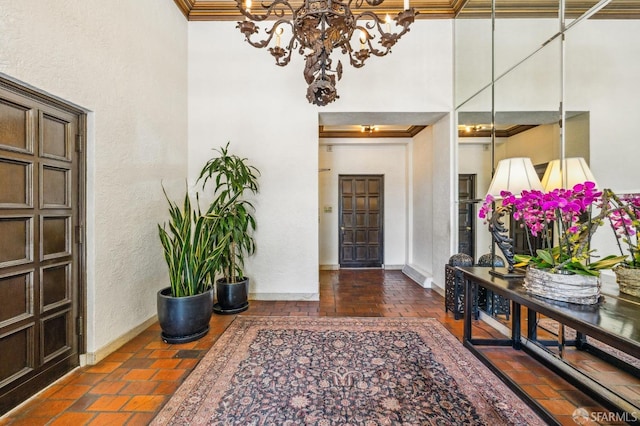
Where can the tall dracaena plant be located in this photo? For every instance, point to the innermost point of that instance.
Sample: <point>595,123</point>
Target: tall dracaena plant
<point>190,247</point>
<point>233,177</point>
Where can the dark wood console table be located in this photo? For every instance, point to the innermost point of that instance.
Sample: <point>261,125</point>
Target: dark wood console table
<point>615,321</point>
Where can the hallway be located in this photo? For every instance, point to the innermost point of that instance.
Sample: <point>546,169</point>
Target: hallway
<point>131,385</point>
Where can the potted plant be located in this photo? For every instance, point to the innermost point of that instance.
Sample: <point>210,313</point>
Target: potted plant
<point>234,226</point>
<point>563,269</point>
<point>191,253</point>
<point>624,217</point>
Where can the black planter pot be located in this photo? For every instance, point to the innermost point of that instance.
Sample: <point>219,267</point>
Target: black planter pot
<point>184,319</point>
<point>232,297</point>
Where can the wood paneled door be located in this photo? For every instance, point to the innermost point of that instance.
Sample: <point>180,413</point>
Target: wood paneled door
<point>361,218</point>
<point>39,263</point>
<point>466,214</point>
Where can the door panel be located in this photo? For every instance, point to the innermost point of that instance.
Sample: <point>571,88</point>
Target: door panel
<point>361,237</point>
<point>466,214</point>
<point>39,208</point>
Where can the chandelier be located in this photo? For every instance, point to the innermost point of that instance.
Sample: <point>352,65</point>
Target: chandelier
<point>318,27</point>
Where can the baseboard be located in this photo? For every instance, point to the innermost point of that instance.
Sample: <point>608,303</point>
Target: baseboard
<point>393,267</point>
<point>435,287</point>
<point>91,358</point>
<point>329,267</point>
<point>494,323</point>
<point>303,297</point>
<point>424,279</point>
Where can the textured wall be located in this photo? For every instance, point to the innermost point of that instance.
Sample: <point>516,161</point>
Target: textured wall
<point>126,62</point>
<point>387,159</point>
<point>422,202</point>
<point>262,110</point>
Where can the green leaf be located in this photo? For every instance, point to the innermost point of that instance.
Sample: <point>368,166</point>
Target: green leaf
<point>545,256</point>
<point>607,262</point>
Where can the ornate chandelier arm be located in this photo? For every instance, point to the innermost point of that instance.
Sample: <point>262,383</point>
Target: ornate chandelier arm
<point>358,57</point>
<point>281,55</point>
<point>277,8</point>
<point>387,39</point>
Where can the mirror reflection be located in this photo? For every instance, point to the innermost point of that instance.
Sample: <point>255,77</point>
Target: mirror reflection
<point>533,94</point>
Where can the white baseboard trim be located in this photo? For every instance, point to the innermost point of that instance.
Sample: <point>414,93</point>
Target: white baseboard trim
<point>303,297</point>
<point>436,287</point>
<point>329,267</point>
<point>495,323</point>
<point>393,267</point>
<point>92,358</point>
<point>424,279</point>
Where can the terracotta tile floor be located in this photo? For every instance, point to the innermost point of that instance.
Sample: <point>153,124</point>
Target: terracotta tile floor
<point>132,384</point>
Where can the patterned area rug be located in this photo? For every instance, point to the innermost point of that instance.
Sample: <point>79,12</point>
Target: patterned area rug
<point>341,371</point>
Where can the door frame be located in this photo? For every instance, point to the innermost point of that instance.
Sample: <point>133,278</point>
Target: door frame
<point>470,206</point>
<point>381,213</point>
<point>22,89</point>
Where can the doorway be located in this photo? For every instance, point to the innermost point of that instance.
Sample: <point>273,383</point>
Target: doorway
<point>41,261</point>
<point>360,224</point>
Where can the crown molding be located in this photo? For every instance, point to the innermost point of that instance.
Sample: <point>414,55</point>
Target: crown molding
<point>354,134</point>
<point>185,6</point>
<point>486,133</point>
<point>204,10</point>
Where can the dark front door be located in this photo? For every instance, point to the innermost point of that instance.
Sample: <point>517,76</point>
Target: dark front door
<point>466,214</point>
<point>38,256</point>
<point>361,201</point>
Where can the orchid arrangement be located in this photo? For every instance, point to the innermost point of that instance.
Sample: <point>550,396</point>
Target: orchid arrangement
<point>624,217</point>
<point>569,213</point>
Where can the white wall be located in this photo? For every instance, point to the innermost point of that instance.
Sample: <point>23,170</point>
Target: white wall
<point>126,62</point>
<point>422,207</point>
<point>433,209</point>
<point>603,65</point>
<point>237,93</point>
<point>387,157</point>
<point>603,62</point>
<point>445,210</point>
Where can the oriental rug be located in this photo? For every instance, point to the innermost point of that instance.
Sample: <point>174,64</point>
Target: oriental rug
<point>341,371</point>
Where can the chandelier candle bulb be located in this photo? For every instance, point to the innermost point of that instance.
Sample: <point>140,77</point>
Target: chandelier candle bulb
<point>406,4</point>
<point>363,39</point>
<point>387,19</point>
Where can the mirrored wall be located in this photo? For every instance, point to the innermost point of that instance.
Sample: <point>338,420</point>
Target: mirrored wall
<point>547,83</point>
<point>550,80</point>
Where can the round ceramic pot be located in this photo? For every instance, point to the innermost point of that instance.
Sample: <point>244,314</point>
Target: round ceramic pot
<point>232,297</point>
<point>184,319</point>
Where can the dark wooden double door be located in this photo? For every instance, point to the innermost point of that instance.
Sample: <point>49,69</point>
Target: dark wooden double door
<point>39,187</point>
<point>466,214</point>
<point>361,221</point>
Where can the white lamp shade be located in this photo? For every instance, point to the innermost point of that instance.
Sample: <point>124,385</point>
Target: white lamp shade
<point>514,175</point>
<point>573,171</point>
